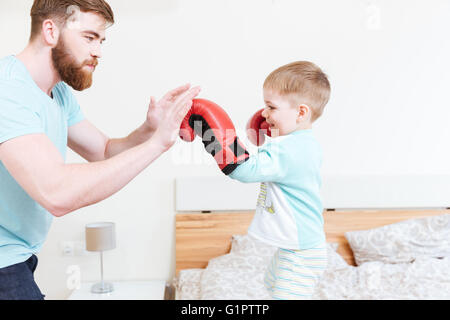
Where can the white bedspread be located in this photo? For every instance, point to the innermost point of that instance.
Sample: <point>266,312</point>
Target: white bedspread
<point>425,278</point>
<point>239,275</point>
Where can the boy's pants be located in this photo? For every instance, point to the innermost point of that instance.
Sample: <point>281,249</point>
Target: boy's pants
<point>294,274</point>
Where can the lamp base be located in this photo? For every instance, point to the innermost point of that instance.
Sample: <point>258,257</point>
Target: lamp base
<point>102,287</point>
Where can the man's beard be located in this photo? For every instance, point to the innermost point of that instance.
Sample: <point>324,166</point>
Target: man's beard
<point>69,70</point>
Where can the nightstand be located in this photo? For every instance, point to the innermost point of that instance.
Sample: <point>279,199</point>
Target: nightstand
<point>123,290</point>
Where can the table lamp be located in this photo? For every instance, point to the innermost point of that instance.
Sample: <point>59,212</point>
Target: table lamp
<point>101,236</point>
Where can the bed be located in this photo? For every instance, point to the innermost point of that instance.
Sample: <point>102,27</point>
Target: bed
<point>373,253</point>
<point>217,260</point>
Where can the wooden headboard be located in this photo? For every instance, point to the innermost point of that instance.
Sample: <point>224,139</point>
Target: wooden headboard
<point>203,236</point>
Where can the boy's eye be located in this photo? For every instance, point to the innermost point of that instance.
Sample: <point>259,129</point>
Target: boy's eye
<point>89,38</point>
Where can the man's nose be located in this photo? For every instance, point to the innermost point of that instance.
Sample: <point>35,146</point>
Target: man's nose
<point>96,52</point>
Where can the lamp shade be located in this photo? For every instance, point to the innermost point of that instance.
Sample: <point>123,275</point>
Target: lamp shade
<point>100,236</point>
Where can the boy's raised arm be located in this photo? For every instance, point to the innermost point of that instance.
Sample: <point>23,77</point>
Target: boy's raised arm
<point>265,166</point>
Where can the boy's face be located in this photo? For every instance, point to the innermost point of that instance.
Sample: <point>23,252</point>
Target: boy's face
<point>281,114</point>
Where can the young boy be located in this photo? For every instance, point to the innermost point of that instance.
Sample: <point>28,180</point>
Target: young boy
<point>289,209</point>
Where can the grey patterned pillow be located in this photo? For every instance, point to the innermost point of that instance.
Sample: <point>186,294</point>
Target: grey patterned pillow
<point>247,245</point>
<point>402,241</point>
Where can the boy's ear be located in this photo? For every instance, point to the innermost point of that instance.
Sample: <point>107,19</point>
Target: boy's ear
<point>304,111</point>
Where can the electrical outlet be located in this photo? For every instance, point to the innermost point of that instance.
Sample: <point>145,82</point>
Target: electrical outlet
<point>73,248</point>
<point>67,248</point>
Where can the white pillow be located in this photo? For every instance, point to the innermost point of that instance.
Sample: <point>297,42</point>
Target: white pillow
<point>402,241</point>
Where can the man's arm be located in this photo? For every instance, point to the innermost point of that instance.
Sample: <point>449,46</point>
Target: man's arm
<point>36,164</point>
<point>93,145</point>
<point>138,136</point>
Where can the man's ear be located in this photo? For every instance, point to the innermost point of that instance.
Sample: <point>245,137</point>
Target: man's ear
<point>50,32</point>
<point>304,112</point>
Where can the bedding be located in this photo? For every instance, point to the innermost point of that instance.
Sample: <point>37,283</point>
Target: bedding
<point>187,284</point>
<point>403,241</point>
<point>238,275</point>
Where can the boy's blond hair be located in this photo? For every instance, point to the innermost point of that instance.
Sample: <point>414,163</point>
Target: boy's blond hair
<point>305,81</point>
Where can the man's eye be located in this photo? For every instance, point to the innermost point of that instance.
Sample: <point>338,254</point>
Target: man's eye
<point>90,38</point>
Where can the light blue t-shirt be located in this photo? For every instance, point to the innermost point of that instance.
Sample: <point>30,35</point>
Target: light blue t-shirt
<point>26,109</point>
<point>289,206</point>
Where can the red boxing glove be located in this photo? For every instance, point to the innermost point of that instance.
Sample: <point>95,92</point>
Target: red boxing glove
<point>257,127</point>
<point>211,123</point>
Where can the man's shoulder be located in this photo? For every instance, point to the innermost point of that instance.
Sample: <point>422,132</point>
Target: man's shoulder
<point>11,77</point>
<point>10,69</point>
<point>6,67</point>
<point>13,90</point>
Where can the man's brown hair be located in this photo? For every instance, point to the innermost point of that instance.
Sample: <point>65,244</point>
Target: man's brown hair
<point>305,80</point>
<point>60,10</point>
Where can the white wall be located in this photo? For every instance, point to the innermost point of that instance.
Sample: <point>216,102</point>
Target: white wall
<point>388,113</point>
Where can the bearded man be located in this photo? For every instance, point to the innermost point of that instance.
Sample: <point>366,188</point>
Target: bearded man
<point>40,117</point>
